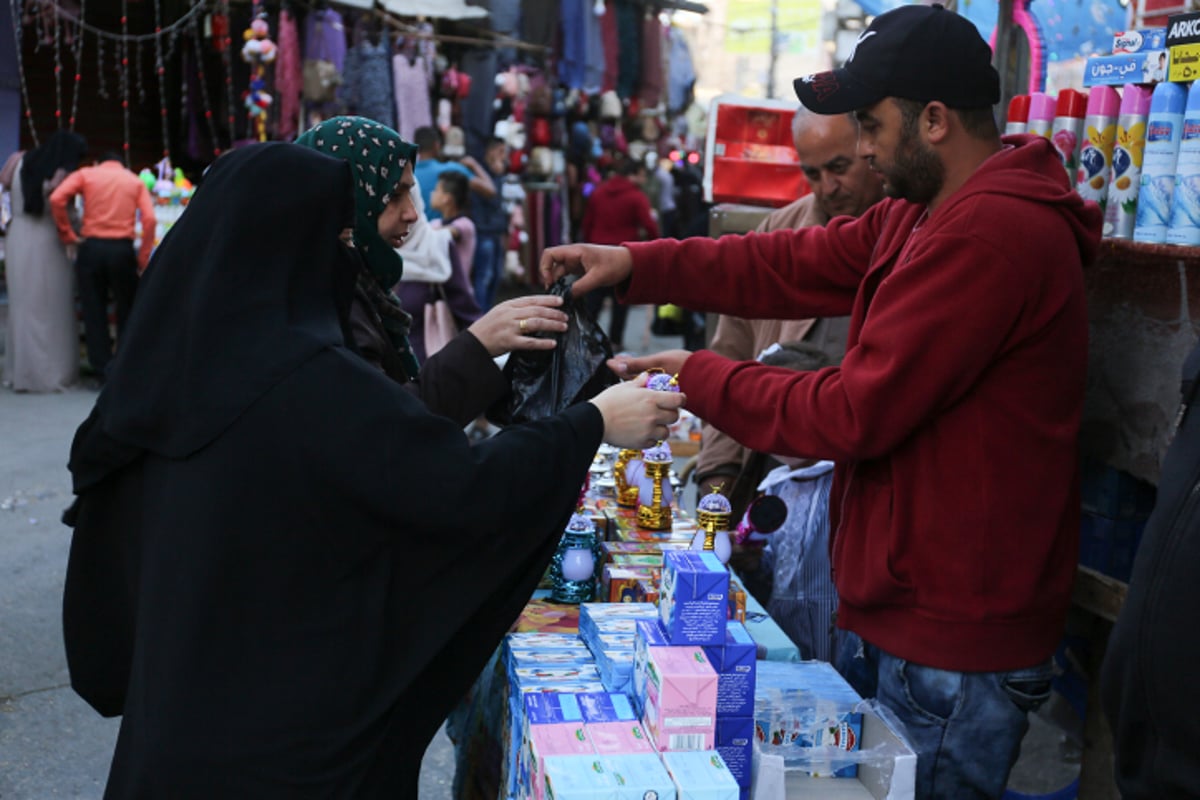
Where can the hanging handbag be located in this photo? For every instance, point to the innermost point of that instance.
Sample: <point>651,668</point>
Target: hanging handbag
<point>440,326</point>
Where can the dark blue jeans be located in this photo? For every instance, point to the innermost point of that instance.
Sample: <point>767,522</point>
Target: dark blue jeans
<point>488,268</point>
<point>966,727</point>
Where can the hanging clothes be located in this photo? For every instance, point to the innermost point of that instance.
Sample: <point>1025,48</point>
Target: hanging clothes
<point>593,77</point>
<point>612,46</point>
<point>324,55</point>
<point>367,89</point>
<point>289,79</point>
<point>573,64</point>
<point>539,22</point>
<point>477,111</point>
<point>681,76</point>
<point>629,57</point>
<point>652,75</point>
<point>411,92</point>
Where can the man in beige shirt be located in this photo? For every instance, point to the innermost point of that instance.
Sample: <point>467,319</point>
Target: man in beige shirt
<point>841,183</point>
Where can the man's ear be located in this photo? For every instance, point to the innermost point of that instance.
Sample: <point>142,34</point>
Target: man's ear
<point>935,121</point>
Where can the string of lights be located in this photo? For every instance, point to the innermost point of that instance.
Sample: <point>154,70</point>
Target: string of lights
<point>77,51</point>
<point>208,114</point>
<point>58,120</point>
<point>16,16</point>
<point>160,70</point>
<point>185,20</point>
<point>124,41</point>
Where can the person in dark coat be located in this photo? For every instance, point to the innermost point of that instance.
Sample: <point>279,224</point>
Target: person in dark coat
<point>1149,693</point>
<point>285,569</point>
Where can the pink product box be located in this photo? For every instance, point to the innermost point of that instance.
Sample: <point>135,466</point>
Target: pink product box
<point>649,634</point>
<point>563,739</point>
<point>681,698</point>
<point>616,738</point>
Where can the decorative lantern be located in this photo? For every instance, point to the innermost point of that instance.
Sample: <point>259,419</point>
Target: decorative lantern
<point>627,490</point>
<point>573,566</point>
<point>713,514</point>
<point>654,489</point>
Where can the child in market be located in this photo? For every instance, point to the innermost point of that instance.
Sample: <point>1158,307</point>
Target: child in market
<point>449,198</point>
<point>795,560</point>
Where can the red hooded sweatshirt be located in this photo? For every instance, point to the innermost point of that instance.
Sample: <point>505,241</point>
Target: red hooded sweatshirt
<point>954,415</point>
<point>618,211</point>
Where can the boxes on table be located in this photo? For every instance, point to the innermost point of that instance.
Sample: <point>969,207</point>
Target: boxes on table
<point>807,713</point>
<point>650,633</point>
<point>749,155</point>
<point>578,777</point>
<point>680,709</point>
<point>693,598</point>
<point>734,662</point>
<point>615,548</point>
<point>737,600</point>
<point>701,775</point>
<point>619,584</point>
<point>617,738</point>
<point>640,776</point>
<point>543,741</point>
<point>734,740</point>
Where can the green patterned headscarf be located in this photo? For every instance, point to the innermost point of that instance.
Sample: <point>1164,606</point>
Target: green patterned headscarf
<point>379,157</point>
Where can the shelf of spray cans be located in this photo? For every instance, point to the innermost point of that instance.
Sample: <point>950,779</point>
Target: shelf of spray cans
<point>1131,140</point>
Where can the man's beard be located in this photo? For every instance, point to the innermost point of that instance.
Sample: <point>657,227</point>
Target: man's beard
<point>917,174</point>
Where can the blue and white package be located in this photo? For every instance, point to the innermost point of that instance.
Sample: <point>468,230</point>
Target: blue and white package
<point>693,599</point>
<point>640,776</point>
<point>1185,210</point>
<point>1164,129</point>
<point>806,712</point>
<point>605,707</point>
<point>592,616</point>
<point>577,778</point>
<point>735,664</point>
<point>650,633</point>
<point>735,743</point>
<point>701,775</point>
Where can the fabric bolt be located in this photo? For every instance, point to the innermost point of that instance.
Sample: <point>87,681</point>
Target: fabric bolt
<point>215,550</point>
<point>41,350</point>
<point>367,89</point>
<point>803,600</point>
<point>651,89</point>
<point>681,74</point>
<point>1006,323</point>
<point>410,87</point>
<point>289,79</point>
<point>113,201</point>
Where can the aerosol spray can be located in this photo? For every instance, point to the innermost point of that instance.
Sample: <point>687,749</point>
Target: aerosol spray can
<point>1185,210</point>
<point>1041,114</point>
<point>1067,129</point>
<point>1163,131</point>
<point>1121,211</point>
<point>1095,151</point>
<point>1018,114</point>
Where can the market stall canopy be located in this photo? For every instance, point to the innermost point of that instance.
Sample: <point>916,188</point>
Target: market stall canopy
<point>1063,29</point>
<point>432,9</point>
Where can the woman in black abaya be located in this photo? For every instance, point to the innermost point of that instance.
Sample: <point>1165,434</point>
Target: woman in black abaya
<point>273,540</point>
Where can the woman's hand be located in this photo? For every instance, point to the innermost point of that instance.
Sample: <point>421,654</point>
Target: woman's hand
<point>510,325</point>
<point>636,417</point>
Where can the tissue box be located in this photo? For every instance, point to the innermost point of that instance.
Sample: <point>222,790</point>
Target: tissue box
<point>734,662</point>
<point>562,739</point>
<point>693,598</point>
<point>639,776</point>
<point>681,698</point>
<point>578,778</point>
<point>701,775</point>
<point>649,634</point>
<point>616,738</point>
<point>735,743</point>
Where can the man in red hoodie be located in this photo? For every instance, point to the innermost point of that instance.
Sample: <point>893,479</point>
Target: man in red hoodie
<point>618,211</point>
<point>953,418</point>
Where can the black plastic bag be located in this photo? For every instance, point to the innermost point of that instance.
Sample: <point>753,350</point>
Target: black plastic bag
<point>544,382</point>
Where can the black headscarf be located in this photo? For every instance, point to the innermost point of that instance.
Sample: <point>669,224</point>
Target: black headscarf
<point>208,334</point>
<point>62,150</point>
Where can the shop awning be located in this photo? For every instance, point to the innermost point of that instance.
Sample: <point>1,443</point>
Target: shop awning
<point>434,9</point>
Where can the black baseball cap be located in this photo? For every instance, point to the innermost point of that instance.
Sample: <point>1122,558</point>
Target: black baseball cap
<point>915,52</point>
